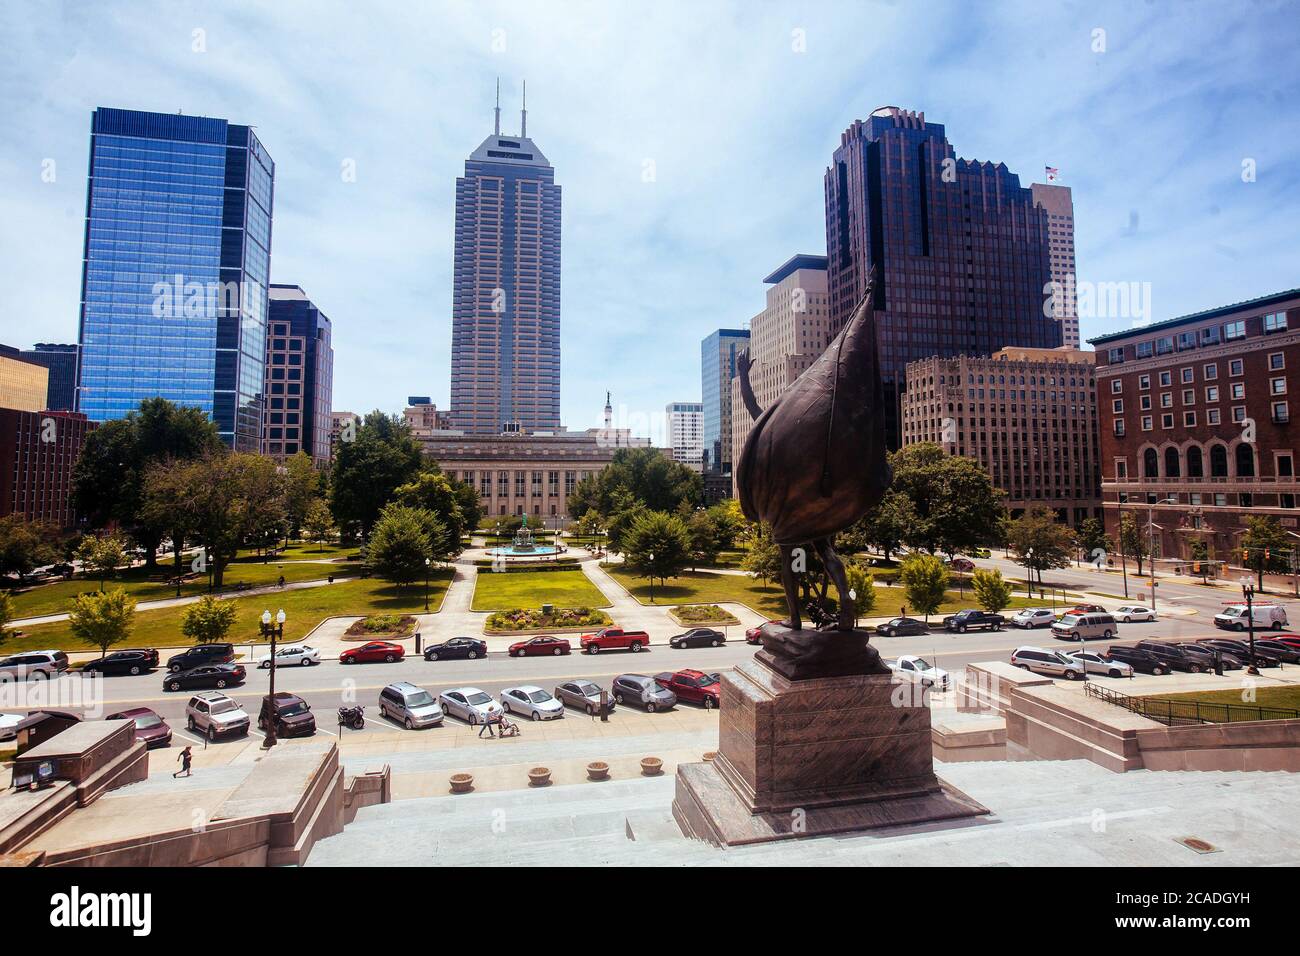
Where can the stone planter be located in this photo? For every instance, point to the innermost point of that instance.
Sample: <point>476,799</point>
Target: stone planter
<point>651,766</point>
<point>709,755</point>
<point>598,770</point>
<point>539,777</point>
<point>462,782</point>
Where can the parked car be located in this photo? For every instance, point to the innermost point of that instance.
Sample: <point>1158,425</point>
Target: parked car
<point>583,694</point>
<point>295,655</point>
<point>1144,662</point>
<point>1092,626</point>
<point>9,725</point>
<point>1127,613</point>
<point>964,565</point>
<point>1029,617</point>
<point>531,702</point>
<point>920,671</point>
<point>375,651</point>
<point>692,686</point>
<point>546,644</point>
<point>902,627</point>
<point>753,635</point>
<point>469,704</point>
<point>209,675</point>
<point>1100,663</point>
<point>220,653</point>
<point>973,619</point>
<point>698,637</point>
<point>1086,609</point>
<point>410,706</point>
<point>1051,663</point>
<point>456,649</point>
<point>33,665</point>
<point>1291,639</point>
<point>1207,654</point>
<point>1241,649</point>
<point>150,729</point>
<point>614,638</point>
<point>118,663</point>
<point>1288,653</point>
<point>1173,655</point>
<point>292,715</point>
<point>643,691</point>
<point>1236,617</point>
<point>215,715</point>
<point>150,654</point>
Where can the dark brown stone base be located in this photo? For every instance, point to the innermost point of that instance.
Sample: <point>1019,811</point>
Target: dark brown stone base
<point>810,757</point>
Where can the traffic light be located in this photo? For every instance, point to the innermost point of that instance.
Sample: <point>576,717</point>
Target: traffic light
<point>1266,554</point>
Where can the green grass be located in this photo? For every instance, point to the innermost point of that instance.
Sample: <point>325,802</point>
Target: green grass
<point>1287,697</point>
<point>54,598</point>
<point>306,551</point>
<point>304,610</point>
<point>706,587</point>
<point>532,589</point>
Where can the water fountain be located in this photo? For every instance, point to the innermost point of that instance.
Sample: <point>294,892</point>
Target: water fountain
<point>523,545</point>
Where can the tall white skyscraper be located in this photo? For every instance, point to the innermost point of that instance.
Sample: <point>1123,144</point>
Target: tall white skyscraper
<point>1059,205</point>
<point>686,432</point>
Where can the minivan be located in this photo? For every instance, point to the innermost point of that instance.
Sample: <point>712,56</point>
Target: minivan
<point>410,706</point>
<point>1236,617</point>
<point>1052,663</point>
<point>1092,626</point>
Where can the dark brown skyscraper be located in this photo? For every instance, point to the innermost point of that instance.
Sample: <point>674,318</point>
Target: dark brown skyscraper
<point>960,247</point>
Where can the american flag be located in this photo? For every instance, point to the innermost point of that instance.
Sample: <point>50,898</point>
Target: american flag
<point>1052,173</point>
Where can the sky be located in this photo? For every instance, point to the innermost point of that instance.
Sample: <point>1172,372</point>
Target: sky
<point>690,140</point>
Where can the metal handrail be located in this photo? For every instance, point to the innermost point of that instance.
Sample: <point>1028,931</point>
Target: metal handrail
<point>1168,711</point>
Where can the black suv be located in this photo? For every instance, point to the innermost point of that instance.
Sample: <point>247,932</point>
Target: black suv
<point>1205,657</point>
<point>121,662</point>
<point>201,654</point>
<point>1176,657</point>
<point>1144,662</point>
<point>293,716</point>
<point>964,621</point>
<point>1241,650</point>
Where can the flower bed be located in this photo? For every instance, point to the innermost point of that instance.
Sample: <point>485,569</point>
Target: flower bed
<point>381,625</point>
<point>519,620</point>
<point>691,614</point>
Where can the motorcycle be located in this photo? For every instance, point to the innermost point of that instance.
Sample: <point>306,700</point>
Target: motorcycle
<point>354,717</point>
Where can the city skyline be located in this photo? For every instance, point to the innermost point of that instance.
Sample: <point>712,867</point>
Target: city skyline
<point>690,216</point>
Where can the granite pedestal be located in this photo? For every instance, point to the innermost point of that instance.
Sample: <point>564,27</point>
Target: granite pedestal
<point>801,758</point>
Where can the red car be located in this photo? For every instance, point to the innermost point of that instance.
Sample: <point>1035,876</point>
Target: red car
<point>752,635</point>
<point>385,651</point>
<point>1087,609</point>
<point>614,638</point>
<point>540,645</point>
<point>149,727</point>
<point>694,686</point>
<point>1292,639</point>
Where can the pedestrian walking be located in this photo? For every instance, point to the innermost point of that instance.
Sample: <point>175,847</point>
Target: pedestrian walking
<point>486,725</point>
<point>186,757</point>
<point>282,580</point>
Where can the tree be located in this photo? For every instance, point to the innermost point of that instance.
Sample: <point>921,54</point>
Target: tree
<point>102,618</point>
<point>1039,541</point>
<point>643,475</point>
<point>1266,546</point>
<point>433,491</point>
<point>925,582</point>
<point>589,525</point>
<point>888,524</point>
<point>1200,555</point>
<point>1092,540</point>
<point>209,620</point>
<point>402,541</point>
<point>369,469</point>
<point>956,507</point>
<point>1132,541</point>
<point>991,591</point>
<point>862,583</point>
<point>728,523</point>
<point>108,477</point>
<point>762,556</point>
<point>102,556</point>
<point>302,488</point>
<point>657,545</point>
<point>318,523</point>
<point>6,615</point>
<point>24,546</point>
<point>626,510</point>
<point>703,532</point>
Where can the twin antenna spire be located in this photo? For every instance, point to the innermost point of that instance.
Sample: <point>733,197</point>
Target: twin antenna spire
<point>523,114</point>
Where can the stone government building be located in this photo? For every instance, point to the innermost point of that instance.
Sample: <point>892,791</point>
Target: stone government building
<point>1197,409</point>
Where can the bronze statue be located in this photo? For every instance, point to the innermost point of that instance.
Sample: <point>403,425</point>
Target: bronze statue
<point>814,462</point>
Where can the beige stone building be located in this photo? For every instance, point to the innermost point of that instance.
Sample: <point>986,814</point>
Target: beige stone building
<point>1029,416</point>
<point>1058,203</point>
<point>23,385</point>
<point>785,338</point>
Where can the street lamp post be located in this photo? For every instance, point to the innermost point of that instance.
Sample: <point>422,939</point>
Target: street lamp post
<point>652,577</point>
<point>1029,572</point>
<point>1151,542</point>
<point>271,629</point>
<point>426,585</point>
<point>1248,590</point>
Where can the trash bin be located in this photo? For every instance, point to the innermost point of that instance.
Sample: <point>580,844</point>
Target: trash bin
<point>417,642</point>
<point>548,608</point>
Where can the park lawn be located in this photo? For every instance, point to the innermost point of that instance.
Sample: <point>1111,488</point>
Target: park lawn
<point>531,589</point>
<point>1287,697</point>
<point>304,609</point>
<point>305,551</point>
<point>54,598</point>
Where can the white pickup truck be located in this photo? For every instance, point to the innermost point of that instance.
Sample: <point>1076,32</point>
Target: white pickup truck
<point>919,671</point>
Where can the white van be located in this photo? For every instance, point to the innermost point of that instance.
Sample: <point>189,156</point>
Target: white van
<point>1234,617</point>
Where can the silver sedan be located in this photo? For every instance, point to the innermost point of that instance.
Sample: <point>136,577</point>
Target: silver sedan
<point>1100,664</point>
<point>469,704</point>
<point>530,701</point>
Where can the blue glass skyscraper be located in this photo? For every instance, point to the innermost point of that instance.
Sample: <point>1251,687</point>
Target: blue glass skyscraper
<point>717,368</point>
<point>177,261</point>
<point>505,326</point>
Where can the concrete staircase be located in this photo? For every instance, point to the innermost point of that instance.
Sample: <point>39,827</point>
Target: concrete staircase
<point>1045,812</point>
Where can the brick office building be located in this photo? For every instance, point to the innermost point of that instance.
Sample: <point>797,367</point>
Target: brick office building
<point>37,453</point>
<point>1196,424</point>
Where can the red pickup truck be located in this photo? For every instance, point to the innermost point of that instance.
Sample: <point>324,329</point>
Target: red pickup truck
<point>694,686</point>
<point>614,639</point>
